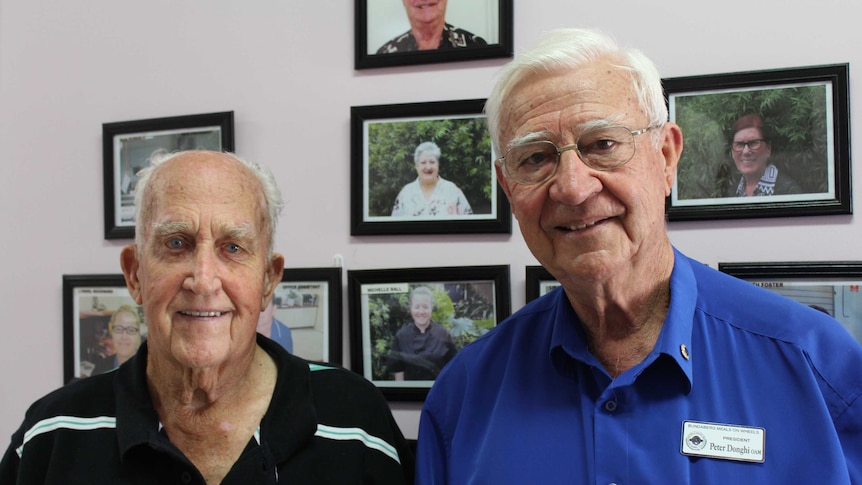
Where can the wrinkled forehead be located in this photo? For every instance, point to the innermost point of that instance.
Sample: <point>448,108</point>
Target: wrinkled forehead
<point>180,188</point>
<point>569,99</point>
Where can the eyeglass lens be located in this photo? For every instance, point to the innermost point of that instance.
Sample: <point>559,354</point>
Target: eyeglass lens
<point>600,149</point>
<point>738,146</point>
<point>126,330</point>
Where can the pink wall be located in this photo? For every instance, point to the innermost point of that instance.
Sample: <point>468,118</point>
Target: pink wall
<point>286,70</point>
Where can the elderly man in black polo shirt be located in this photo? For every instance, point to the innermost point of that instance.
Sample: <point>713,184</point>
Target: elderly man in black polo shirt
<point>207,399</point>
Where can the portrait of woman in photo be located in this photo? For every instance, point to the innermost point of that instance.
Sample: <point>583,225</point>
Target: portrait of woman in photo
<point>751,149</point>
<point>422,347</point>
<point>430,195</point>
<point>429,30</point>
<point>125,333</point>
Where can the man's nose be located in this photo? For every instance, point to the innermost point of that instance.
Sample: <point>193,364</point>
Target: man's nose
<point>204,278</point>
<point>574,181</point>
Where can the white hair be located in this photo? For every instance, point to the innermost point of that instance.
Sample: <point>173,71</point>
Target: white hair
<point>429,147</point>
<point>568,49</point>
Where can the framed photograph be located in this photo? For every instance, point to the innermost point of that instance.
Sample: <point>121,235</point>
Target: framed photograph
<point>832,287</point>
<point>102,325</point>
<point>424,168</point>
<point>306,314</point>
<point>406,324</point>
<point>762,144</point>
<point>393,33</point>
<point>539,282</point>
<point>128,145</point>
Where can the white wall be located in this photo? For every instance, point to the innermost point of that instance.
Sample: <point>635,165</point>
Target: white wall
<point>286,69</point>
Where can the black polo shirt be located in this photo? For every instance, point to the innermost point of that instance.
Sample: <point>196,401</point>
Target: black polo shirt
<point>324,425</point>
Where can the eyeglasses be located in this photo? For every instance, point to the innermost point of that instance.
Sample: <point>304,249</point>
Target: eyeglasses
<point>602,149</point>
<point>753,145</point>
<point>125,330</point>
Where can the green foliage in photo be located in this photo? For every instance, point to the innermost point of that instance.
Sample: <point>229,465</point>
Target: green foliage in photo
<point>465,159</point>
<point>798,120</point>
<point>467,317</point>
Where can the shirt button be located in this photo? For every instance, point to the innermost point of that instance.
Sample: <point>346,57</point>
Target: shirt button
<point>610,406</point>
<point>186,477</point>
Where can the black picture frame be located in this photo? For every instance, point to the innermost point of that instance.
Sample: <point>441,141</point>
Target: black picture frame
<point>483,291</point>
<point>806,109</point>
<point>89,301</point>
<point>539,282</point>
<point>128,145</point>
<point>833,287</point>
<point>383,141</point>
<point>309,302</point>
<point>378,21</point>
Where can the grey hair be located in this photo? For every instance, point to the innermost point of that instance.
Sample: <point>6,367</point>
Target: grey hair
<point>427,146</point>
<point>272,202</point>
<point>568,49</point>
<point>422,291</point>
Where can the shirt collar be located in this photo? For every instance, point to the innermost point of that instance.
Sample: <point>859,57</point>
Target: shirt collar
<point>568,345</point>
<point>289,423</point>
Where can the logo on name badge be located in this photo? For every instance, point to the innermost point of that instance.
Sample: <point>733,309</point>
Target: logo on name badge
<point>723,441</point>
<point>695,441</point>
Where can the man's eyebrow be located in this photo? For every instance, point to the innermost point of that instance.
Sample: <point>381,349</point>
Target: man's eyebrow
<point>580,128</point>
<point>171,227</point>
<point>529,137</point>
<point>243,230</point>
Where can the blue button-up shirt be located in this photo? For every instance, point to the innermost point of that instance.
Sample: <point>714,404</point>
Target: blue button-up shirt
<point>529,403</point>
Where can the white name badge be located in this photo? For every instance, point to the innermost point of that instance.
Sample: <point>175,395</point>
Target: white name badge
<point>723,441</point>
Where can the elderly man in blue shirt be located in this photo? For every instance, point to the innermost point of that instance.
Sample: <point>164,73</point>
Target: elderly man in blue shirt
<point>645,366</point>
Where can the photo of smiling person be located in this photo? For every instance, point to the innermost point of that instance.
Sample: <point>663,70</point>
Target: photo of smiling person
<point>125,330</point>
<point>421,347</point>
<point>751,148</point>
<point>430,195</point>
<point>429,30</point>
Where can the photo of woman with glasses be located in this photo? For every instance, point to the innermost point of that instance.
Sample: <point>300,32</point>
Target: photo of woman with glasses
<point>773,147</point>
<point>111,344</point>
<point>751,149</point>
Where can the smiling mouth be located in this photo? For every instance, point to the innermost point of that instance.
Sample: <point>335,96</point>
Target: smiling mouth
<point>201,314</point>
<point>580,227</point>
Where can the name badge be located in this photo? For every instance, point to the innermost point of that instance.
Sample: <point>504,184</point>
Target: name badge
<point>723,441</point>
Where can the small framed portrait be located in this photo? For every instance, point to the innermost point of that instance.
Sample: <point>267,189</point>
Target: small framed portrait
<point>539,282</point>
<point>407,324</point>
<point>305,314</point>
<point>409,32</point>
<point>424,168</point>
<point>127,147</point>
<point>102,325</point>
<point>762,144</point>
<point>832,287</point>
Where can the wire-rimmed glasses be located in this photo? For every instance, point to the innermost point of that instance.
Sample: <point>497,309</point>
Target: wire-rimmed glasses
<point>118,330</point>
<point>604,148</point>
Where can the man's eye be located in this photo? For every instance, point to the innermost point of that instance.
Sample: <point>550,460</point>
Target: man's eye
<point>600,146</point>
<point>233,248</point>
<point>175,243</point>
<point>535,158</point>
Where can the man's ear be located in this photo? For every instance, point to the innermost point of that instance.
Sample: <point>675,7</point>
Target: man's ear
<point>671,150</point>
<point>271,279</point>
<point>130,264</point>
